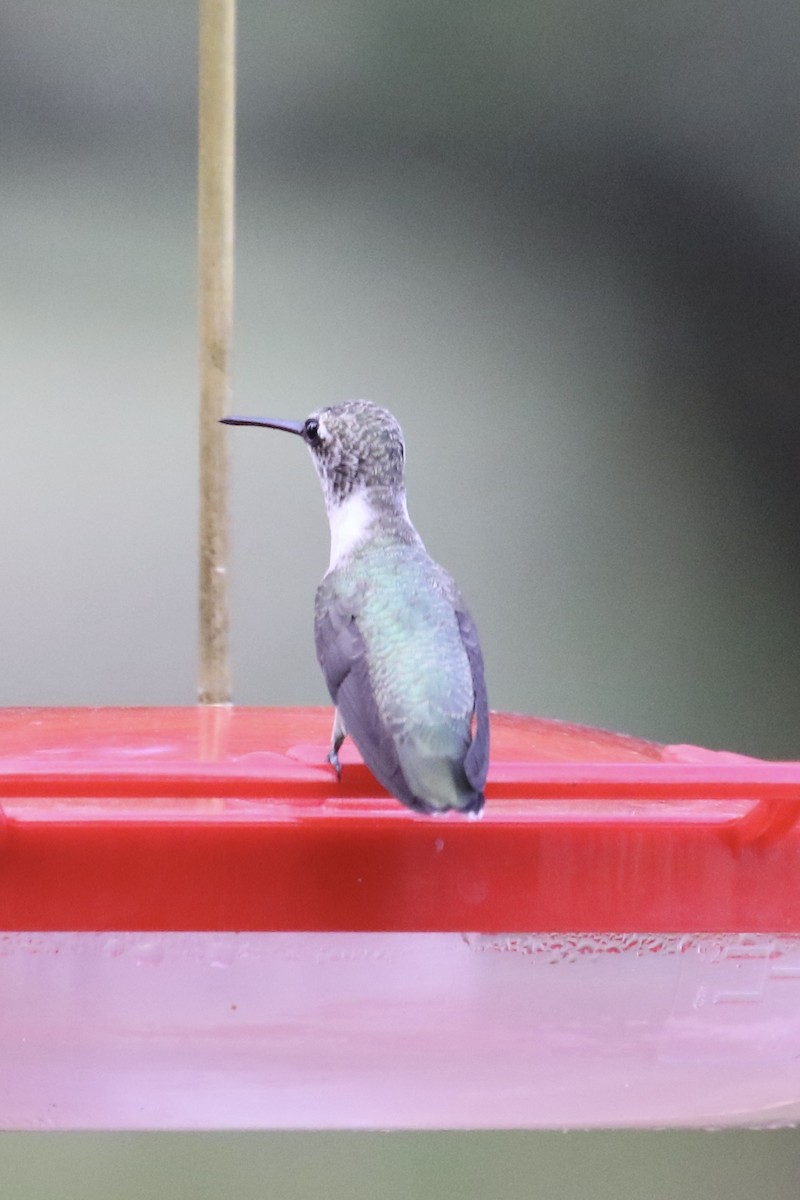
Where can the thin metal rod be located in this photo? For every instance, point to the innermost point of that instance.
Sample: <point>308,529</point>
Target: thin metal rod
<point>217,113</point>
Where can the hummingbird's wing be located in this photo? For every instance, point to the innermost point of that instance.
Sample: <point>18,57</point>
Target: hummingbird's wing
<point>476,762</point>
<point>342,654</point>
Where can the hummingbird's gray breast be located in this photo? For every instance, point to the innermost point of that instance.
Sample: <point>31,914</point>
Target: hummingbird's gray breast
<point>402,662</point>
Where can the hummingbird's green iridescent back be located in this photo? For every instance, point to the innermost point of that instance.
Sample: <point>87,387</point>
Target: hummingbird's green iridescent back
<point>389,638</point>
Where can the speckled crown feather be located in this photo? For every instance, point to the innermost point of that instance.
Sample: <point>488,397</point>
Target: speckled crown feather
<point>360,446</point>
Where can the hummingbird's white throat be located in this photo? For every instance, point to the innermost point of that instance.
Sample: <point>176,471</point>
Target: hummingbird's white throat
<point>351,521</point>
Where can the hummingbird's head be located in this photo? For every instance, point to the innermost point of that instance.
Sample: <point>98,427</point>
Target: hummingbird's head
<point>358,451</point>
<point>356,446</point>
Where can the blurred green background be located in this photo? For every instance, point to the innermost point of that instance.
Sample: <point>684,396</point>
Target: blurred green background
<point>560,241</point>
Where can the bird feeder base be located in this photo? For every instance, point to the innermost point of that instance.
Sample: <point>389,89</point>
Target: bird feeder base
<point>202,929</point>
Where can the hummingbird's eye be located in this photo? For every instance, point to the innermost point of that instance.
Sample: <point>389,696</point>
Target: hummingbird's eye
<point>311,431</point>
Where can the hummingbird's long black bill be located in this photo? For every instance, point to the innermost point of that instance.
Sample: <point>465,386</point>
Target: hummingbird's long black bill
<point>266,422</point>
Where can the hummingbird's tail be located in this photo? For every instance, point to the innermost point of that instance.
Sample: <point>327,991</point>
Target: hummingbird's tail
<point>437,784</point>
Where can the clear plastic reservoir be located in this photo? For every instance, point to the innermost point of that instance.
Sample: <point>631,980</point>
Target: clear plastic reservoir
<point>355,1030</point>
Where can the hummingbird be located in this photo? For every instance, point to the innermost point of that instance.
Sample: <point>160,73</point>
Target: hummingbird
<point>396,643</point>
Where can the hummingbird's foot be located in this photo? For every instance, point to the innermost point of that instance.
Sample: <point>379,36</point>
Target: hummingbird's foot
<point>333,758</point>
<point>338,734</point>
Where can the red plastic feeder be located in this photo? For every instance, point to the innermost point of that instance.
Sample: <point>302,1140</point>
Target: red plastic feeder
<point>205,930</point>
